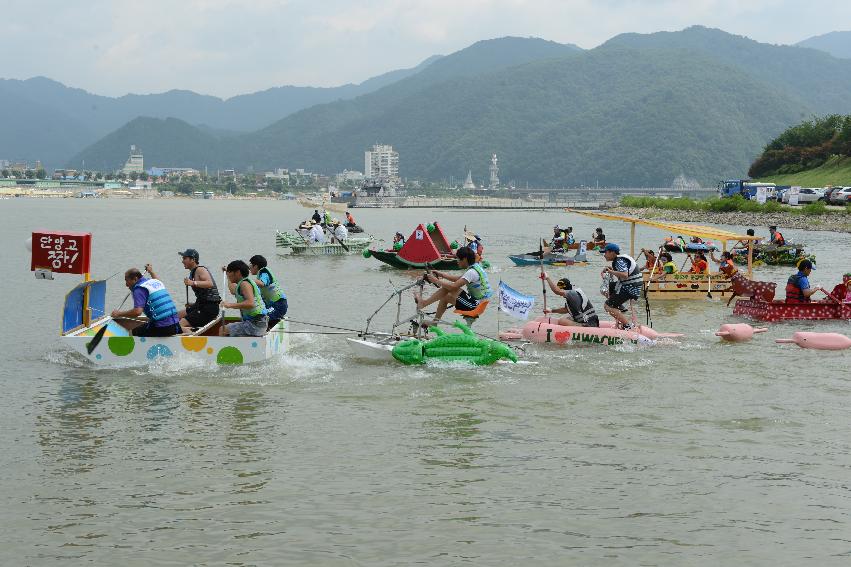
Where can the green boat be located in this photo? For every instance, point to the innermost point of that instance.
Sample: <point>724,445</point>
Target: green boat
<point>391,258</point>
<point>771,255</point>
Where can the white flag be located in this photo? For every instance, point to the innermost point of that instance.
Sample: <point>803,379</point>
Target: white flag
<point>514,303</point>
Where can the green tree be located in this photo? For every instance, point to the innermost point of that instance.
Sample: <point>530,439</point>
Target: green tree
<point>40,173</point>
<point>5,173</point>
<point>29,174</point>
<point>185,187</point>
<point>231,187</point>
<point>143,176</point>
<point>134,176</point>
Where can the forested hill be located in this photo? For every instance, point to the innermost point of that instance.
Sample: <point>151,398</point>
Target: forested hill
<point>804,147</point>
<point>836,43</point>
<point>638,110</point>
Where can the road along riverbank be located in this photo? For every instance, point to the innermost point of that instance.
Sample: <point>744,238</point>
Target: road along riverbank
<point>834,221</point>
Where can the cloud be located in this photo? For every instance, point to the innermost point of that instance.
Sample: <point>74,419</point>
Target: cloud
<point>227,47</point>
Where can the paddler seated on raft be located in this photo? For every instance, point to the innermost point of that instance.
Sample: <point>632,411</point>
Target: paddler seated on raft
<point>451,292</point>
<point>270,289</point>
<point>725,263</point>
<point>317,218</point>
<point>207,299</point>
<point>798,288</point>
<point>557,243</point>
<point>151,298</point>
<point>326,218</point>
<point>576,304</point>
<point>842,291</point>
<point>598,237</point>
<point>398,240</point>
<point>568,236</point>
<point>652,264</point>
<point>776,237</point>
<point>627,288</point>
<point>699,265</point>
<point>316,234</point>
<point>340,232</point>
<point>255,319</point>
<point>350,220</point>
<point>668,264</point>
<point>477,247</point>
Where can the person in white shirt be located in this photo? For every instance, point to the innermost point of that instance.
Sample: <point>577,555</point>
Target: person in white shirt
<point>316,234</point>
<point>474,278</point>
<point>340,232</point>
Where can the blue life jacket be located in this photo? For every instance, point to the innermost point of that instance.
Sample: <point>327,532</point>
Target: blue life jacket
<point>159,305</point>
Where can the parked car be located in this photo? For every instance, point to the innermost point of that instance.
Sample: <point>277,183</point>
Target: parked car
<point>840,196</point>
<point>827,192</point>
<point>806,195</point>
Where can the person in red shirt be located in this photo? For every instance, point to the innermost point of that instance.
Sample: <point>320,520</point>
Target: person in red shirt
<point>699,265</point>
<point>842,292</point>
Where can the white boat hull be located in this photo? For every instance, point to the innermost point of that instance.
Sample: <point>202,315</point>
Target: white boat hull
<point>140,351</point>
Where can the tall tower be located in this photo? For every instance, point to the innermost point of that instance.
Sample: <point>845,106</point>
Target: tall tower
<point>494,171</point>
<point>468,184</point>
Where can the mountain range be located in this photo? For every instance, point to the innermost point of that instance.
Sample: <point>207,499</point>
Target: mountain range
<point>837,43</point>
<point>637,110</point>
<point>44,119</point>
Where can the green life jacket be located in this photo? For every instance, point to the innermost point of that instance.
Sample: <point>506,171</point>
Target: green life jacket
<point>482,289</point>
<point>259,308</point>
<point>272,292</point>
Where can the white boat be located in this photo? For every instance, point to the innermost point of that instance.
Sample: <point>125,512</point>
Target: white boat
<point>119,348</point>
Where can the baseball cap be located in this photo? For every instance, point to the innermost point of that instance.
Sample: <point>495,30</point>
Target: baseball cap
<point>611,247</point>
<point>189,253</point>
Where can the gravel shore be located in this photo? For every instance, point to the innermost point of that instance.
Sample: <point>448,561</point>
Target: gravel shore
<point>834,222</point>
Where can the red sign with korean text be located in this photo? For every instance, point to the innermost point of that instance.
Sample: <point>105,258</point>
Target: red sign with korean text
<point>62,252</point>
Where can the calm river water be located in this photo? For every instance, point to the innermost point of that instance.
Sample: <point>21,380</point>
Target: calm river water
<point>696,454</point>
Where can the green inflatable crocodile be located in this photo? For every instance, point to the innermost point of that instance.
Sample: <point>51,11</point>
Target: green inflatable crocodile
<point>465,347</point>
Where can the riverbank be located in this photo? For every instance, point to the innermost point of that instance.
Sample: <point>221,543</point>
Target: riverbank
<point>834,222</point>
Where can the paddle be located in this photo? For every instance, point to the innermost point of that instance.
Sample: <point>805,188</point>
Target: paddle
<point>543,282</point>
<point>93,344</point>
<point>709,290</point>
<point>334,237</point>
<point>647,287</point>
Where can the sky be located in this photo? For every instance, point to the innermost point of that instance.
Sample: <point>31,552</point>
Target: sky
<point>229,47</point>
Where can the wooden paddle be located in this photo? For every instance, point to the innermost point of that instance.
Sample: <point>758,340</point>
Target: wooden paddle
<point>334,237</point>
<point>93,344</point>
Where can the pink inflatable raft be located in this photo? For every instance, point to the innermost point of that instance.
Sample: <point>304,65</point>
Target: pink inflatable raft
<point>545,330</point>
<point>820,341</point>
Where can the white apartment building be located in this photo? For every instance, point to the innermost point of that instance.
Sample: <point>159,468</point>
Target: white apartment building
<point>135,163</point>
<point>381,162</point>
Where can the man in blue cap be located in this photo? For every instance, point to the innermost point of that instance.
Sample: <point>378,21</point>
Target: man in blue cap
<point>798,288</point>
<point>627,285</point>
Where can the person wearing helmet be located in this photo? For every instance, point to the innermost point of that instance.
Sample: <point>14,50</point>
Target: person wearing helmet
<point>576,304</point>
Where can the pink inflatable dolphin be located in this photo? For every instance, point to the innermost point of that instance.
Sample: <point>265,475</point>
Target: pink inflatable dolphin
<point>738,332</point>
<point>820,341</point>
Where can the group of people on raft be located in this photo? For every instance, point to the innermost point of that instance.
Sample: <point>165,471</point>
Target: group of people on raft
<point>313,229</point>
<point>467,291</point>
<point>563,238</point>
<point>259,295</point>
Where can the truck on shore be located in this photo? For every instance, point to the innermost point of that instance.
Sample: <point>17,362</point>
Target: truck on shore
<point>748,189</point>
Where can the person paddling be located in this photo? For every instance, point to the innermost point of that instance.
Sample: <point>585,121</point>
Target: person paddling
<point>206,306</point>
<point>317,218</point>
<point>798,288</point>
<point>151,298</point>
<point>350,220</point>
<point>270,289</point>
<point>626,288</point>
<point>255,318</point>
<point>576,304</point>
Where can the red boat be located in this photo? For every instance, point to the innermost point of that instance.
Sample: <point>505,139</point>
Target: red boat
<point>773,311</point>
